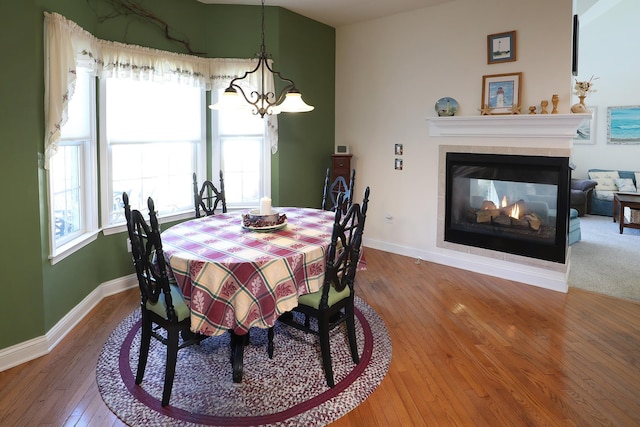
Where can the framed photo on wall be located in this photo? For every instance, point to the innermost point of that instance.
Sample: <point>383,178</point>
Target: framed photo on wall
<point>501,47</point>
<point>623,125</point>
<point>586,132</point>
<point>501,92</point>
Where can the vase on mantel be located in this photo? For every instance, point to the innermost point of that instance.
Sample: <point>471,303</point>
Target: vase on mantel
<point>580,107</point>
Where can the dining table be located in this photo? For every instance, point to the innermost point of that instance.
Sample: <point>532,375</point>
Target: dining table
<point>235,277</point>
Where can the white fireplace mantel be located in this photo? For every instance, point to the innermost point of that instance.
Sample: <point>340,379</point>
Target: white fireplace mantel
<point>508,126</point>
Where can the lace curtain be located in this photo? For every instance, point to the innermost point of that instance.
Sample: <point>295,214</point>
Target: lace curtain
<point>69,47</point>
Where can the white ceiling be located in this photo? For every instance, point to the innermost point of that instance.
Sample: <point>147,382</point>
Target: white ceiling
<point>340,12</point>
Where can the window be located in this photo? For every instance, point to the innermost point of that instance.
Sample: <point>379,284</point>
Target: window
<point>71,175</point>
<point>240,150</point>
<point>154,137</point>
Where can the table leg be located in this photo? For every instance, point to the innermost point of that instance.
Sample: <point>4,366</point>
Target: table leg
<point>621,219</point>
<point>615,208</point>
<point>237,354</point>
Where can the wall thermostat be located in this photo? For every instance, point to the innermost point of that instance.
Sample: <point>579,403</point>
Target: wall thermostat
<point>342,149</point>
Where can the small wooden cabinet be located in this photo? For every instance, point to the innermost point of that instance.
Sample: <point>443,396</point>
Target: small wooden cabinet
<point>340,166</point>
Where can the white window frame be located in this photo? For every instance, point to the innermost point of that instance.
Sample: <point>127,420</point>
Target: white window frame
<point>216,156</point>
<point>106,184</point>
<point>88,178</point>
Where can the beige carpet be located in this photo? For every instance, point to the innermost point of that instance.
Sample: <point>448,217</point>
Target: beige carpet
<point>606,261</point>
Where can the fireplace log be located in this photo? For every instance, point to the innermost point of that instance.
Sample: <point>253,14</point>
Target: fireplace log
<point>483,216</point>
<point>520,223</point>
<point>534,221</point>
<point>488,205</point>
<point>502,220</point>
<point>489,213</point>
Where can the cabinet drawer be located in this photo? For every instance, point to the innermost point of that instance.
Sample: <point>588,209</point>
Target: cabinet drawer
<point>340,164</point>
<point>344,171</point>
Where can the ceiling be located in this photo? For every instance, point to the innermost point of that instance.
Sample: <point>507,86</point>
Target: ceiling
<point>340,12</point>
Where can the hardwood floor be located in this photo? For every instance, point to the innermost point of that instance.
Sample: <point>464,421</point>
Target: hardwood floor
<point>468,350</point>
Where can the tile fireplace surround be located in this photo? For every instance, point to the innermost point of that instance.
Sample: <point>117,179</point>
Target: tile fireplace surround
<point>526,135</point>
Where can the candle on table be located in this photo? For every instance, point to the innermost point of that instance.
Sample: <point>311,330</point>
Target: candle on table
<point>265,206</point>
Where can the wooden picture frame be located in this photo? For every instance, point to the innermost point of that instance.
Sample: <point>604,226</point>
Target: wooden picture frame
<point>501,47</point>
<point>623,125</point>
<point>586,132</point>
<point>501,93</point>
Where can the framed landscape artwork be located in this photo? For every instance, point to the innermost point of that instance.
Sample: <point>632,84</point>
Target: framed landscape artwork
<point>623,125</point>
<point>501,47</point>
<point>501,92</point>
<point>586,132</point>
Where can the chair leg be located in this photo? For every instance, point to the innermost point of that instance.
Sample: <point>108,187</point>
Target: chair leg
<point>172,357</point>
<point>145,341</point>
<point>270,342</point>
<point>351,333</point>
<point>323,332</point>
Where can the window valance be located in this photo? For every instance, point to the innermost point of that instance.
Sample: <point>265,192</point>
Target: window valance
<point>69,47</point>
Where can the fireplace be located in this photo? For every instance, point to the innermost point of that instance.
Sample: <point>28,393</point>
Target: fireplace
<point>517,204</point>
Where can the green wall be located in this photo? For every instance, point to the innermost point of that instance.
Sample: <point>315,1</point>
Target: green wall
<point>35,294</point>
<point>307,56</point>
<point>21,112</point>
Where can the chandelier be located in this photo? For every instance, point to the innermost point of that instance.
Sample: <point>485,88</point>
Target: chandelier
<point>289,100</point>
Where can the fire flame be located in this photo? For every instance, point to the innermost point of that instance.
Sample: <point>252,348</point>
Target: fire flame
<point>515,212</point>
<point>503,204</point>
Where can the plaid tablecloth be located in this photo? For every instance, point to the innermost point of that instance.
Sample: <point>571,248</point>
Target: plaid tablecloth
<point>236,279</point>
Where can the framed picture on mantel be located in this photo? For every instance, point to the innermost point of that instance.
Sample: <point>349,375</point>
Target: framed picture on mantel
<point>501,92</point>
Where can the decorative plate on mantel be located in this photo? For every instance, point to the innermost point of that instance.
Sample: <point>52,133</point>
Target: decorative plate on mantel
<point>446,107</point>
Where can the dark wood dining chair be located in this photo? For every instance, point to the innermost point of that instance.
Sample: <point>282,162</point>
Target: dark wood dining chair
<point>339,185</point>
<point>161,302</point>
<point>207,197</point>
<point>334,303</point>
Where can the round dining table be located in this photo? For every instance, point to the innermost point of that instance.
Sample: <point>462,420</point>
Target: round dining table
<point>234,277</point>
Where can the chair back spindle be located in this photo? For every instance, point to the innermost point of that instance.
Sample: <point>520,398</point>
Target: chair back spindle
<point>339,185</point>
<point>207,197</point>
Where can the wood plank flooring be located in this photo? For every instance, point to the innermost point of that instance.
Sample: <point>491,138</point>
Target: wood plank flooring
<point>468,350</point>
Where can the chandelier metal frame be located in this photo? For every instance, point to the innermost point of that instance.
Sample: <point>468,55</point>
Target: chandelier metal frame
<point>289,98</point>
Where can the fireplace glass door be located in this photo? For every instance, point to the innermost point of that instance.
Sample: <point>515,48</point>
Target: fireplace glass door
<point>513,204</point>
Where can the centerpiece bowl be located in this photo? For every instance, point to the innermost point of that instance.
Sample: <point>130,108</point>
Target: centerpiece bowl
<point>255,219</point>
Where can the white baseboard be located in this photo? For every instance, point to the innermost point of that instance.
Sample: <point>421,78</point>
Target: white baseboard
<point>540,277</point>
<point>36,347</point>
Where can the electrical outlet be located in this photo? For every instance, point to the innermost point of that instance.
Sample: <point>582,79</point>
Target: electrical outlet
<point>128,245</point>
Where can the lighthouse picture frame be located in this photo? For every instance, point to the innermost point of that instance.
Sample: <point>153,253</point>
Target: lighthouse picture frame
<point>501,47</point>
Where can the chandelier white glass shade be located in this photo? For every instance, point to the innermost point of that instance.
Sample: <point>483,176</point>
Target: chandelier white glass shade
<point>289,100</point>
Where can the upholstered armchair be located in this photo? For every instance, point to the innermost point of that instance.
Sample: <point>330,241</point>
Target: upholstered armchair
<point>580,197</point>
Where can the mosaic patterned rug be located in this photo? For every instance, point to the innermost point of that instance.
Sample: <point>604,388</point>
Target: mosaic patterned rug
<point>288,390</point>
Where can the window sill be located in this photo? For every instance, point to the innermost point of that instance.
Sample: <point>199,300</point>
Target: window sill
<point>69,248</point>
<point>122,227</point>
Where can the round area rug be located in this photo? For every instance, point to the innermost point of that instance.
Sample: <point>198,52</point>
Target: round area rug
<point>288,390</point>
